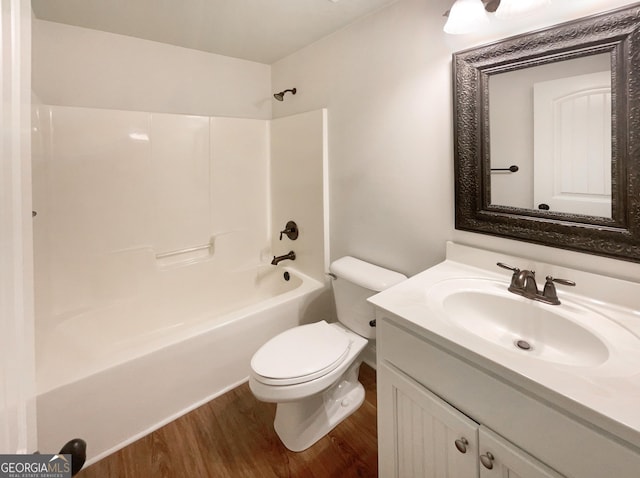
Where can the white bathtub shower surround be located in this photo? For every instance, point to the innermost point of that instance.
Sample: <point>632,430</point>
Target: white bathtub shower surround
<point>153,284</point>
<point>300,188</point>
<point>108,183</point>
<point>111,378</point>
<point>180,179</point>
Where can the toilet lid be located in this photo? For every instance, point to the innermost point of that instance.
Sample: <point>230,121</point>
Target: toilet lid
<point>301,354</point>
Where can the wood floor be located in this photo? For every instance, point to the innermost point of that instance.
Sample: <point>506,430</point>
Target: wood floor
<point>232,436</point>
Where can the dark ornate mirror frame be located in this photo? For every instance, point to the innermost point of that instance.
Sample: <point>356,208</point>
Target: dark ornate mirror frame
<point>616,33</point>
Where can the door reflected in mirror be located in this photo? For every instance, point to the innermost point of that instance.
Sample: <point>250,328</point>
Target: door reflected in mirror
<point>553,122</point>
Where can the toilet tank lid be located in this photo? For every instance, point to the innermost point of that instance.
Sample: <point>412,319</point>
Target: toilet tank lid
<point>364,274</point>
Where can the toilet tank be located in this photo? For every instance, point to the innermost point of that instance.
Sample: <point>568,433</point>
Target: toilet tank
<point>355,281</point>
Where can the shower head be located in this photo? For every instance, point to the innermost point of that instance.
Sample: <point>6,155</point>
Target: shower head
<point>280,96</point>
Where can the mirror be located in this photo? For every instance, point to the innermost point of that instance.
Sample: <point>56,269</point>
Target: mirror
<point>553,122</point>
<point>546,136</point>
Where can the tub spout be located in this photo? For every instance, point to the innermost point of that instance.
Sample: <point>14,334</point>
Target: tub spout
<point>290,256</point>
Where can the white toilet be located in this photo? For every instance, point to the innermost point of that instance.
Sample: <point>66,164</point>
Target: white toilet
<point>311,371</point>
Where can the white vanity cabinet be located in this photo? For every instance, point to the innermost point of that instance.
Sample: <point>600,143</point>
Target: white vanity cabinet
<point>501,459</point>
<point>429,397</point>
<point>421,436</point>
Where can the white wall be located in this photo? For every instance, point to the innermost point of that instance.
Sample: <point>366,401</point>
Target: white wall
<point>75,66</point>
<point>386,82</point>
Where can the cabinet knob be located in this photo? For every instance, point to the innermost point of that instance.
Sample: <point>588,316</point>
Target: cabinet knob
<point>487,460</point>
<point>462,444</point>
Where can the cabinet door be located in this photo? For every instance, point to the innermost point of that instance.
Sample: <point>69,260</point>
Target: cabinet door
<point>501,459</point>
<point>417,432</point>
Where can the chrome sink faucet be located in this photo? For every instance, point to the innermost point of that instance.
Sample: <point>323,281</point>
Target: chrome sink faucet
<point>523,282</point>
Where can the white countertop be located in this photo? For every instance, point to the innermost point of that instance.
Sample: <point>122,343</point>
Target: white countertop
<point>606,395</point>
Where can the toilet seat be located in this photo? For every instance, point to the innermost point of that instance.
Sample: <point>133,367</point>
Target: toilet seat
<point>300,354</point>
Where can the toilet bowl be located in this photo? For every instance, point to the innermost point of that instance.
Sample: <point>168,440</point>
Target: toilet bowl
<point>311,371</point>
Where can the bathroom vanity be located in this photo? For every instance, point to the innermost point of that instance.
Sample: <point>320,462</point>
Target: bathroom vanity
<point>458,397</point>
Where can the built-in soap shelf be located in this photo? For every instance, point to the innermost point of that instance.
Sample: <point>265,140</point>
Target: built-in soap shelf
<point>197,253</point>
<point>187,255</point>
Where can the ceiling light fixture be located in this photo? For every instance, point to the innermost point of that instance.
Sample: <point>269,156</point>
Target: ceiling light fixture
<point>466,16</point>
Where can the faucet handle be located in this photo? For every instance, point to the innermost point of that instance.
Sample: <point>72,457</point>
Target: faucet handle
<point>291,230</point>
<point>549,291</point>
<point>515,270</point>
<point>561,281</point>
<point>517,279</point>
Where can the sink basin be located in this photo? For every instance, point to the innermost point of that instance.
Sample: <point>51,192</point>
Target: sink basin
<point>567,334</point>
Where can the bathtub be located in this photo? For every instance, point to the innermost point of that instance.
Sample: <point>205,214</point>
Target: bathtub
<point>112,374</point>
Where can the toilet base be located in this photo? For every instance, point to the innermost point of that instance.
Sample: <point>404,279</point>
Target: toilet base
<point>301,423</point>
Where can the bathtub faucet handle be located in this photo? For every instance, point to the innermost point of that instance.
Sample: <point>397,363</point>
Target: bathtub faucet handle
<point>291,230</point>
